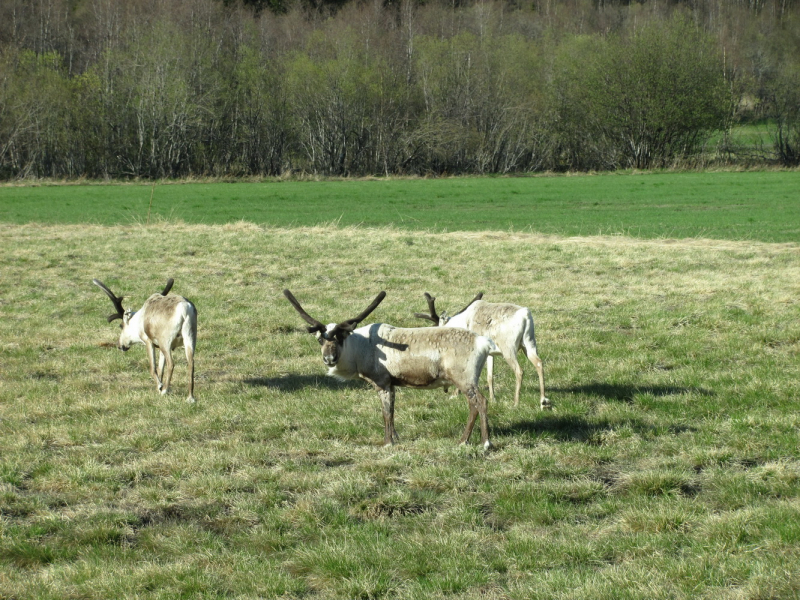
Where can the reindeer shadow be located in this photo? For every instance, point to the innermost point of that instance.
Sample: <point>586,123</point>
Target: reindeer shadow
<point>562,428</point>
<point>575,428</point>
<point>627,392</point>
<point>294,383</point>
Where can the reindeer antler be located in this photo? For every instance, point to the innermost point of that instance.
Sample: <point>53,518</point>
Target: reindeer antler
<point>432,308</point>
<point>117,302</point>
<point>315,325</point>
<point>343,327</point>
<point>475,299</point>
<point>349,324</point>
<point>168,287</point>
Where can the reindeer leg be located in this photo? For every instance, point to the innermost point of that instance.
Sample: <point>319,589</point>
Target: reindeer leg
<point>473,414</point>
<point>477,408</point>
<point>529,347</point>
<point>490,375</point>
<point>151,355</point>
<point>387,401</point>
<point>544,402</point>
<point>482,411</point>
<point>167,375</point>
<point>518,375</point>
<point>190,361</point>
<point>189,335</point>
<point>160,370</point>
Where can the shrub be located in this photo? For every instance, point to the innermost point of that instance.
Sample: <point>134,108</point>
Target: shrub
<point>638,101</point>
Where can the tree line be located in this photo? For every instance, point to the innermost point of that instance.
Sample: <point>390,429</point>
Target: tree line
<point>178,88</point>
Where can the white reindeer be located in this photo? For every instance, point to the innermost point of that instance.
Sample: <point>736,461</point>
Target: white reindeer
<point>164,322</point>
<point>511,328</point>
<point>389,357</point>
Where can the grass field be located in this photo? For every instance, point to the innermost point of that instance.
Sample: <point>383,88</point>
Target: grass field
<point>763,206</point>
<point>669,467</point>
<point>752,140</point>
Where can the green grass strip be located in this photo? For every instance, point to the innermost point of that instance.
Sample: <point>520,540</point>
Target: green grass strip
<point>762,206</point>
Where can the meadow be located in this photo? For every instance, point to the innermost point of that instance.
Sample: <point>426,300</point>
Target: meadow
<point>750,205</point>
<point>668,468</point>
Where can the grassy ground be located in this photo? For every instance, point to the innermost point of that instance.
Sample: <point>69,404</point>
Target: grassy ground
<point>761,206</point>
<point>753,140</point>
<point>669,467</point>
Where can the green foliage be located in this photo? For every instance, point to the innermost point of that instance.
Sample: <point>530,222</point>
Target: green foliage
<point>483,106</point>
<point>786,97</point>
<point>35,102</point>
<point>642,100</point>
<point>252,124</point>
<point>347,104</point>
<point>213,88</point>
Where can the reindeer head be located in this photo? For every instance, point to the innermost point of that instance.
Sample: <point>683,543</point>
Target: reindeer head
<point>129,335</point>
<point>442,319</point>
<point>332,337</point>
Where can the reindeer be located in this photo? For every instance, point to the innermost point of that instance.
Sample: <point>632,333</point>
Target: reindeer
<point>164,322</point>
<point>508,325</point>
<point>390,357</point>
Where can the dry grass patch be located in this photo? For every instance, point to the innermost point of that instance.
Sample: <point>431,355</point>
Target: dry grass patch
<point>668,469</point>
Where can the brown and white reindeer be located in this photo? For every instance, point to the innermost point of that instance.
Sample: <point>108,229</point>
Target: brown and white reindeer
<point>390,357</point>
<point>508,325</point>
<point>163,322</point>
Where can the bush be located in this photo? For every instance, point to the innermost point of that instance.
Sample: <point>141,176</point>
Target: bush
<point>638,101</point>
<point>784,98</point>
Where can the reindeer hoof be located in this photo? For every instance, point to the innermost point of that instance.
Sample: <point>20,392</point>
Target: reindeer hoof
<point>487,445</point>
<point>546,404</point>
<point>191,400</point>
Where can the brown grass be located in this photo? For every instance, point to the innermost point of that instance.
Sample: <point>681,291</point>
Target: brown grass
<point>668,469</point>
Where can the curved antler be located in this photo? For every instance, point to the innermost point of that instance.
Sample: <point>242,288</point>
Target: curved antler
<point>475,299</point>
<point>168,287</point>
<point>349,324</point>
<point>432,308</point>
<point>315,325</point>
<point>117,302</point>
<point>343,327</point>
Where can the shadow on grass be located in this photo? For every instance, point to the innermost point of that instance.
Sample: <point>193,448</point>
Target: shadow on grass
<point>573,428</point>
<point>596,431</point>
<point>294,383</point>
<point>626,392</point>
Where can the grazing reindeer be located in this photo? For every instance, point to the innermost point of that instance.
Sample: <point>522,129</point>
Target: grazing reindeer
<point>389,357</point>
<point>511,328</point>
<point>164,322</point>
